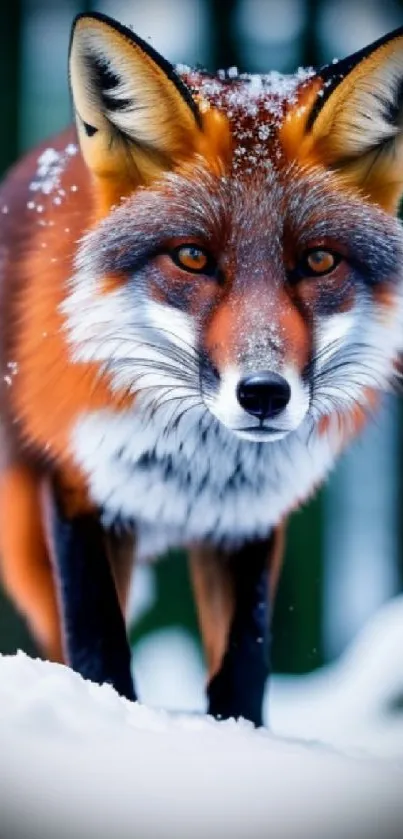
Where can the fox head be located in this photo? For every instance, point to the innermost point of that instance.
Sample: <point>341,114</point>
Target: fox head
<point>245,259</point>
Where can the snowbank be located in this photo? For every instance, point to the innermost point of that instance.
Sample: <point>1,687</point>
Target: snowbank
<point>78,761</point>
<point>357,702</point>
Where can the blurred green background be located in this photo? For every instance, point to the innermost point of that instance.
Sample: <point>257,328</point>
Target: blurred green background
<point>345,549</point>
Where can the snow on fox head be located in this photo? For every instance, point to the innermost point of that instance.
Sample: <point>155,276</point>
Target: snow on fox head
<point>246,258</point>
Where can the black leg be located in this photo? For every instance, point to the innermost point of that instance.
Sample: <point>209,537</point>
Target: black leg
<point>93,625</point>
<point>238,687</point>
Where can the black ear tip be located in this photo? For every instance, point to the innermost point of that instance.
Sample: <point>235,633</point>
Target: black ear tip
<point>334,73</point>
<point>345,65</point>
<point>146,48</point>
<point>97,16</point>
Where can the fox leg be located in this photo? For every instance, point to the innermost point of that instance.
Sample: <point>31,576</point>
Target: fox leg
<point>24,559</point>
<point>120,549</point>
<point>233,601</point>
<point>213,590</point>
<point>93,624</point>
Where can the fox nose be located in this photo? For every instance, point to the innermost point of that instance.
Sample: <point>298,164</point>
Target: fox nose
<point>264,395</point>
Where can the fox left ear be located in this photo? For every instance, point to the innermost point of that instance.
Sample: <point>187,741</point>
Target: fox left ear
<point>353,122</point>
<point>135,117</point>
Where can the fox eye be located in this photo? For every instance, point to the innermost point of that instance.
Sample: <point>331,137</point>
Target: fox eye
<point>194,258</point>
<point>317,262</point>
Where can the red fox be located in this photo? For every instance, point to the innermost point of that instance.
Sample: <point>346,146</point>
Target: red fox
<point>201,300</point>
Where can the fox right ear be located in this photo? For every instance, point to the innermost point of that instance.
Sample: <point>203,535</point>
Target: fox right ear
<point>352,120</point>
<point>135,117</point>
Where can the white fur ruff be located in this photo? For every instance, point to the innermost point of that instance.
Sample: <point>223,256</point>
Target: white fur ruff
<point>218,489</point>
<point>198,481</point>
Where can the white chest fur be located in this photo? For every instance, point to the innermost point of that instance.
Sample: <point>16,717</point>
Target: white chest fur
<point>202,484</point>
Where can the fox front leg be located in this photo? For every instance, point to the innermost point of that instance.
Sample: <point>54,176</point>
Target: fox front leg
<point>94,630</point>
<point>233,600</point>
<point>237,689</point>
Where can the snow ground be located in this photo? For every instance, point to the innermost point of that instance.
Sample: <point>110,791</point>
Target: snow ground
<point>78,761</point>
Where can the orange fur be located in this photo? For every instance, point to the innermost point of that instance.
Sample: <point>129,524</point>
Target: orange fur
<point>25,562</point>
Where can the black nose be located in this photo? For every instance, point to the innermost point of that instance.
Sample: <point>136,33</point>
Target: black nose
<point>264,395</point>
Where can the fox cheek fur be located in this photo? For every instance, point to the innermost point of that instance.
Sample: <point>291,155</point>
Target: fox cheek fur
<point>201,301</point>
<point>249,316</point>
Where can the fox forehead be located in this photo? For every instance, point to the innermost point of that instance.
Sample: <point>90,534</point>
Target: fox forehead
<point>255,106</point>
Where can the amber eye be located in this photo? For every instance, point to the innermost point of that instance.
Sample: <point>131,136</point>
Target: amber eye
<point>193,258</point>
<point>317,262</point>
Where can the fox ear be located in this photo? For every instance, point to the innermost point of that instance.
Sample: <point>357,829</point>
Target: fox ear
<point>135,117</point>
<point>355,122</point>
